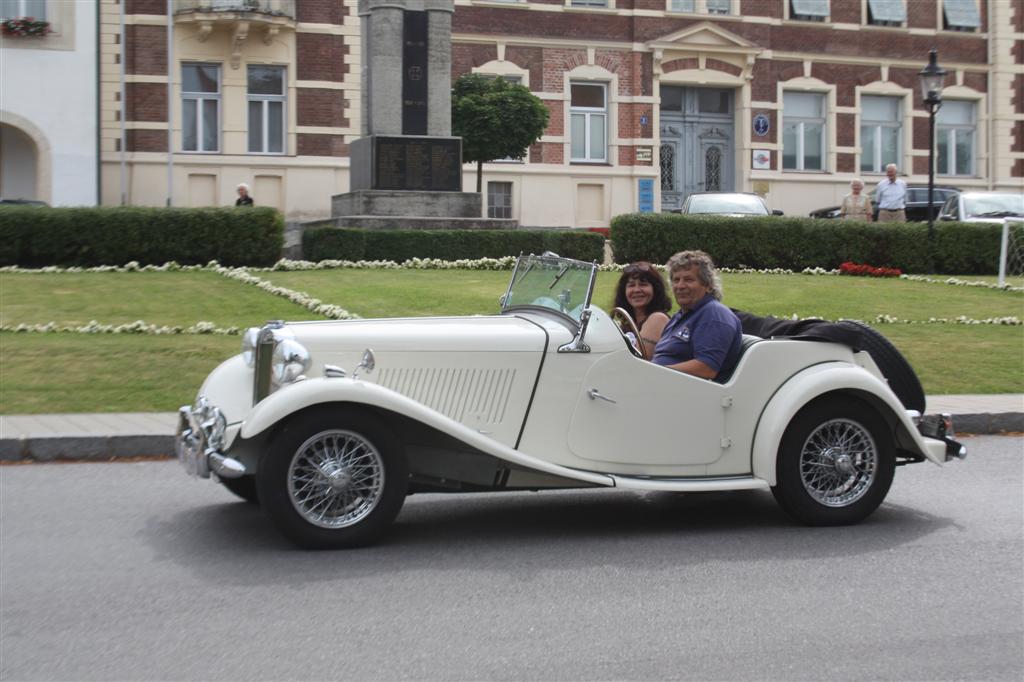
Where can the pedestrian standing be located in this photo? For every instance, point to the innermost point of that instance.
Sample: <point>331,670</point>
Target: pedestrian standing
<point>891,195</point>
<point>856,206</point>
<point>244,198</point>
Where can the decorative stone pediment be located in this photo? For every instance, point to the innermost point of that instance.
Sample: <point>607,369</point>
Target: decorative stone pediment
<point>704,46</point>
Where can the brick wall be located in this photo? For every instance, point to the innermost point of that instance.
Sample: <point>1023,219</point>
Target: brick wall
<point>146,102</point>
<point>321,11</point>
<point>309,144</point>
<point>145,7</point>
<point>467,56</point>
<point>846,130</point>
<point>320,107</point>
<point>321,57</point>
<point>846,77</point>
<point>146,140</point>
<point>146,50</point>
<point>762,8</point>
<point>531,59</point>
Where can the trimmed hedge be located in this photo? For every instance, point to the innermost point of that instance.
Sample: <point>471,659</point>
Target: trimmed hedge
<point>340,243</point>
<point>38,237</point>
<point>798,243</point>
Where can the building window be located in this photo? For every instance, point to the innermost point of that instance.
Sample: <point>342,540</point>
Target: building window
<point>266,102</point>
<point>200,107</point>
<point>808,10</point>
<point>886,12</point>
<point>499,199</point>
<point>588,110</point>
<point>588,3</point>
<point>16,9</point>
<point>880,133</point>
<point>803,131</point>
<point>701,6</point>
<point>960,15</point>
<point>954,138</point>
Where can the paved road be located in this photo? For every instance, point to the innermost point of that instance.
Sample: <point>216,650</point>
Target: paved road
<point>131,571</point>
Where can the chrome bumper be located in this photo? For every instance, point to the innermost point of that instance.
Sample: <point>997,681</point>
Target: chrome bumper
<point>199,440</point>
<point>940,427</point>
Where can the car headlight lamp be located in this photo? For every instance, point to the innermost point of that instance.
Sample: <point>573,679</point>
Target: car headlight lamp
<point>249,340</point>
<point>290,361</point>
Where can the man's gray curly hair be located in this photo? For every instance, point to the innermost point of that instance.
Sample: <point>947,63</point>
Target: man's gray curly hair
<point>706,271</point>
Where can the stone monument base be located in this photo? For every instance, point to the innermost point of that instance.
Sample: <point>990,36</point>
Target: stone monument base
<point>426,204</point>
<point>383,222</point>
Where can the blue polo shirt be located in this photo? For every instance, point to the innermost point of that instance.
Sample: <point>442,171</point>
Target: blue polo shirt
<point>710,332</point>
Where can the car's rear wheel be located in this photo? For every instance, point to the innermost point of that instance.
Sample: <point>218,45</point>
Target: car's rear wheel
<point>333,478</point>
<point>835,464</point>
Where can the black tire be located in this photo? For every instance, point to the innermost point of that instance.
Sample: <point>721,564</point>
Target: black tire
<point>244,487</point>
<point>835,463</point>
<point>332,478</point>
<point>894,367</point>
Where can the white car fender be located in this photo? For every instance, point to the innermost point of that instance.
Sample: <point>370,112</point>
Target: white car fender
<point>807,385</point>
<point>309,392</point>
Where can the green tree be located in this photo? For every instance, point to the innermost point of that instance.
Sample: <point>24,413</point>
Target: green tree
<point>495,119</point>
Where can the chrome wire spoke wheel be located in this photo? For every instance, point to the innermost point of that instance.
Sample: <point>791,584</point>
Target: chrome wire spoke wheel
<point>335,479</point>
<point>838,462</point>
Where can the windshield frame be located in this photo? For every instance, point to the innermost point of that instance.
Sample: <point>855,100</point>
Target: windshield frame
<point>551,266</point>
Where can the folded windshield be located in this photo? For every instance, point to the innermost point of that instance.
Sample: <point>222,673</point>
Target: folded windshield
<point>551,282</point>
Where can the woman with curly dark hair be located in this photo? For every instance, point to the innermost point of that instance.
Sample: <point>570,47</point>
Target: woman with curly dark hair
<point>641,293</point>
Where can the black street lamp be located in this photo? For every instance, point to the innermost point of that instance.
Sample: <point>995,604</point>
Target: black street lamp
<point>932,78</point>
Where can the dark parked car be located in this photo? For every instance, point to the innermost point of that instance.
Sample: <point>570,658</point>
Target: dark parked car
<point>983,207</point>
<point>736,204</point>
<point>22,202</point>
<point>917,203</point>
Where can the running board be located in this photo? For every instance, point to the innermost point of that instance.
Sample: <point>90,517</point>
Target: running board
<point>691,485</point>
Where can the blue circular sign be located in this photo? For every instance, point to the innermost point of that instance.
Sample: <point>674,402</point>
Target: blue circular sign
<point>761,125</point>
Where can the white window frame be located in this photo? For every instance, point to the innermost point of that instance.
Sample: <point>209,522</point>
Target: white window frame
<point>802,121</point>
<point>492,208</point>
<point>871,20</point>
<point>590,4</point>
<point>265,100</point>
<point>23,12</point>
<point>954,132</point>
<point>793,15</point>
<point>589,115</point>
<point>199,98</point>
<point>877,165</point>
<point>701,7</point>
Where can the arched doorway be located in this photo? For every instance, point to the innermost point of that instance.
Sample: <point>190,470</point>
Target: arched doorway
<point>19,165</point>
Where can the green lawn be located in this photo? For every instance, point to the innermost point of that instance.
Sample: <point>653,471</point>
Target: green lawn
<point>97,372</point>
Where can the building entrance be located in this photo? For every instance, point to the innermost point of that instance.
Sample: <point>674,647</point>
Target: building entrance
<point>697,132</point>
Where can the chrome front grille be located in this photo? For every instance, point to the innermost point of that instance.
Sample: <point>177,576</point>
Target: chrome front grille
<point>455,393</point>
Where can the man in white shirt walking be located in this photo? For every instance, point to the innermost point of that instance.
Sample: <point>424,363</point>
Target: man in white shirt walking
<point>891,195</point>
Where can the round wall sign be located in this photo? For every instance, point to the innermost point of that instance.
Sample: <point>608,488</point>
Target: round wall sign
<point>761,125</point>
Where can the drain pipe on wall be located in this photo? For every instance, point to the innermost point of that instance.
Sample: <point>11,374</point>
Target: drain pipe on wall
<point>123,114</point>
<point>170,103</point>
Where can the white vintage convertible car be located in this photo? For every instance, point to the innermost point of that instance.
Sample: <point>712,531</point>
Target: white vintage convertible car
<point>548,393</point>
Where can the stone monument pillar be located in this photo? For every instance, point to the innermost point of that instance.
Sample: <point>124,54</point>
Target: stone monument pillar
<point>406,169</point>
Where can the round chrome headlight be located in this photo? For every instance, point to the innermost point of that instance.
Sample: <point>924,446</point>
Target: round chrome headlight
<point>290,360</point>
<point>249,340</point>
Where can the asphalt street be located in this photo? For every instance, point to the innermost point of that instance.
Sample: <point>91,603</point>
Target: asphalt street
<point>133,571</point>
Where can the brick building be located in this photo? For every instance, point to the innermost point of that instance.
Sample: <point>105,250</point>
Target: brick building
<point>649,99</point>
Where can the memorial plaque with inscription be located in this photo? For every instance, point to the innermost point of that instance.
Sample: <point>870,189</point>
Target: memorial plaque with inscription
<point>404,163</point>
<point>414,73</point>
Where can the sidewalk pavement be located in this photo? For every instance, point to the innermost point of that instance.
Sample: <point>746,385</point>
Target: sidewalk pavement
<point>47,437</point>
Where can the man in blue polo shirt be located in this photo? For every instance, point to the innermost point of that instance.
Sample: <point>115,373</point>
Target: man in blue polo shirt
<point>703,338</point>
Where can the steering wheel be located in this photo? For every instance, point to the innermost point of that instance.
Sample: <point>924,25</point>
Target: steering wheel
<point>621,314</point>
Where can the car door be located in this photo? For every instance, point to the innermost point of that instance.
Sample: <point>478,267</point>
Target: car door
<point>634,412</point>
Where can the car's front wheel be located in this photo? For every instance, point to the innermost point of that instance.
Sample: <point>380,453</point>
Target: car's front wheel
<point>835,464</point>
<point>333,477</point>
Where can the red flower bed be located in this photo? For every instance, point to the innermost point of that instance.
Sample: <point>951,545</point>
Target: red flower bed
<point>868,270</point>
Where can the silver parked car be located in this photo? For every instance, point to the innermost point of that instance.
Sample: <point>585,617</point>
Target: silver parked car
<point>983,207</point>
<point>736,204</point>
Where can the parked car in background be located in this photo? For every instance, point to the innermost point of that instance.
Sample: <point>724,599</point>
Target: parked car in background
<point>737,204</point>
<point>328,425</point>
<point>22,202</point>
<point>916,206</point>
<point>983,207</point>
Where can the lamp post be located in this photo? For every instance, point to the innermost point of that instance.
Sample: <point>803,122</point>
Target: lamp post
<point>932,78</point>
